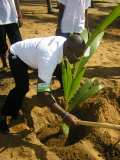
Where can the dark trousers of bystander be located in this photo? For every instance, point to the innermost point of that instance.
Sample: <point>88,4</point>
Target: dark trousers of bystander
<point>13,33</point>
<point>15,97</point>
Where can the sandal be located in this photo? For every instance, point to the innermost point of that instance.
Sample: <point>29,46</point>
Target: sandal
<point>3,125</point>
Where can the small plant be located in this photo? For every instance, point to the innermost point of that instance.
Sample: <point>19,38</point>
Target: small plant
<point>76,88</point>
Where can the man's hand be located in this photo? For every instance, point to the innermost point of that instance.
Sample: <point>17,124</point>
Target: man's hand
<point>58,31</point>
<point>71,120</point>
<point>17,5</point>
<point>20,19</point>
<point>56,108</point>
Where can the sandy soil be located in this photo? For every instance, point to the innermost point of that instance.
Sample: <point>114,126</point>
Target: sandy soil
<point>46,142</point>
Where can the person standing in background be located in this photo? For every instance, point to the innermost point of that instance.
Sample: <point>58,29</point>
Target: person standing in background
<point>10,21</point>
<point>72,17</point>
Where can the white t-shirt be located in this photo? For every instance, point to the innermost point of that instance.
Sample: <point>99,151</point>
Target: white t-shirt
<point>8,13</point>
<point>40,53</point>
<point>74,15</point>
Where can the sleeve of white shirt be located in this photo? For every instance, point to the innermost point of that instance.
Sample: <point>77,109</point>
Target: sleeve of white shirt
<point>87,4</point>
<point>64,2</point>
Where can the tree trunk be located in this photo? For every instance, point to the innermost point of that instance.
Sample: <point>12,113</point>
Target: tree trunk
<point>92,4</point>
<point>49,6</point>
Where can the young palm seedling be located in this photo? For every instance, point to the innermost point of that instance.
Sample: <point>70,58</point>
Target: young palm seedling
<point>76,88</point>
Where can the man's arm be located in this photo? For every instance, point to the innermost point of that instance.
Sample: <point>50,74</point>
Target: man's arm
<point>86,19</point>
<point>19,13</point>
<point>55,107</point>
<point>87,5</point>
<point>60,15</point>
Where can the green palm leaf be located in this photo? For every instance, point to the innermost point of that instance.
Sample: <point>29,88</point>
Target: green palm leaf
<point>84,35</point>
<point>105,23</point>
<point>89,89</point>
<point>76,83</point>
<point>73,76</point>
<point>67,78</point>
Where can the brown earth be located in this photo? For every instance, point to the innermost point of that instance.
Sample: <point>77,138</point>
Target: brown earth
<point>46,142</point>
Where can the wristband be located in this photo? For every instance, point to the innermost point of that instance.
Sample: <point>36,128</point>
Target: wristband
<point>65,115</point>
<point>43,87</point>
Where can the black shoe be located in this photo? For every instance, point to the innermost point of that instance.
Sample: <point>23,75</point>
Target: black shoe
<point>16,119</point>
<point>3,125</point>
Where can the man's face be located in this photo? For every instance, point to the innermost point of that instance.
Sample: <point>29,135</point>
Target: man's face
<point>72,53</point>
<point>69,53</point>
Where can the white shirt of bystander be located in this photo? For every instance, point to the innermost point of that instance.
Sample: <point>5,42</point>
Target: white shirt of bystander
<point>8,13</point>
<point>74,15</point>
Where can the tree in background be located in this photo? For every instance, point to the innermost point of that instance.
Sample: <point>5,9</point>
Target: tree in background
<point>49,6</point>
<point>92,3</point>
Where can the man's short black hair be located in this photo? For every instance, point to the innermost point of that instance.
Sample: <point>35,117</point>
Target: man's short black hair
<point>77,43</point>
<point>77,39</point>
